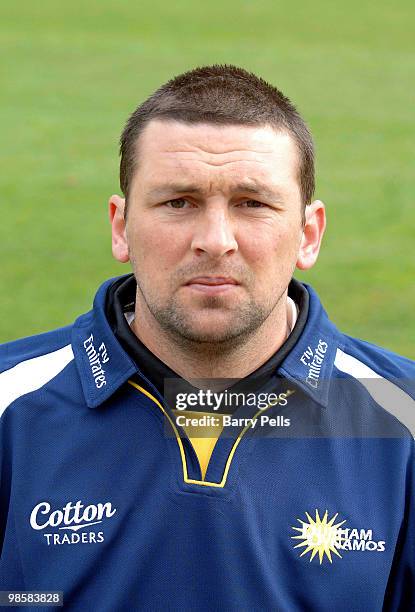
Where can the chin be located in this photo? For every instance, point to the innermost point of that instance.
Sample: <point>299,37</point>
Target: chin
<point>210,334</point>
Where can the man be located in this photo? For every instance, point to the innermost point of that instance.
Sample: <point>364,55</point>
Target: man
<point>298,497</point>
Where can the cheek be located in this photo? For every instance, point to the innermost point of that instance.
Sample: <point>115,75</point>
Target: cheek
<point>156,248</point>
<point>271,252</point>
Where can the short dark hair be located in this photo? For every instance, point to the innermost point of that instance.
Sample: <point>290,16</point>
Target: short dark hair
<point>219,95</point>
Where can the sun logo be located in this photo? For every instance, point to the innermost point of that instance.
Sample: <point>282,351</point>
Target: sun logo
<point>319,536</point>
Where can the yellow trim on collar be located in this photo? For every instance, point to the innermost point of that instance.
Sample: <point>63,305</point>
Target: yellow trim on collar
<point>186,478</point>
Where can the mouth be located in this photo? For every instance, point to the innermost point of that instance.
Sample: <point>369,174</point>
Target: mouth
<point>212,285</point>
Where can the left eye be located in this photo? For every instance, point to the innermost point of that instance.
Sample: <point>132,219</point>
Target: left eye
<point>252,204</point>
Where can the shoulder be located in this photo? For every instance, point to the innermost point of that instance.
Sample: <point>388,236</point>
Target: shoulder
<point>28,364</point>
<point>24,349</point>
<point>385,378</point>
<point>366,360</point>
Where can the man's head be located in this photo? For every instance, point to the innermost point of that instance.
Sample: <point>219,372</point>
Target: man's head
<point>219,95</point>
<point>219,205</point>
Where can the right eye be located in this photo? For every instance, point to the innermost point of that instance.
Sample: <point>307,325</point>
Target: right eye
<point>178,203</point>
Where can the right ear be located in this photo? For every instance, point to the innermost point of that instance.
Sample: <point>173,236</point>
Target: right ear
<point>116,207</point>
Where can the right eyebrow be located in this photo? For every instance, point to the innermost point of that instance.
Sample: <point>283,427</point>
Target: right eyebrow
<point>164,192</point>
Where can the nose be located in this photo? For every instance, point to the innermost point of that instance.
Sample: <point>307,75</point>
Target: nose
<point>214,233</point>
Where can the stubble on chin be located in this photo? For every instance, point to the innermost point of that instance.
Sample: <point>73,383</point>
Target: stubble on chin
<point>186,330</point>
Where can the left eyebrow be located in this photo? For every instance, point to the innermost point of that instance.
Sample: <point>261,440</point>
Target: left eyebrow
<point>260,189</point>
<point>254,188</point>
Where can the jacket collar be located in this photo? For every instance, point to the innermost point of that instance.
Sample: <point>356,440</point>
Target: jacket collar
<point>310,363</point>
<point>104,365</point>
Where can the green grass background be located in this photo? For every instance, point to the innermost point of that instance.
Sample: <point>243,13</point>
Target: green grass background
<point>73,71</point>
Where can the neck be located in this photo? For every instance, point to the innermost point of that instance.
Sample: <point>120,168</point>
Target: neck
<point>193,360</point>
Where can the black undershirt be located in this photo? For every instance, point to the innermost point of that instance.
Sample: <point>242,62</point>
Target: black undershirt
<point>120,299</point>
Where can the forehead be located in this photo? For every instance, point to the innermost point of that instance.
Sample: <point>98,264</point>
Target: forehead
<point>204,152</point>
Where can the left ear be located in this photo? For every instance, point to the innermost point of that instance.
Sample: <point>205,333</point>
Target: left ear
<point>315,224</point>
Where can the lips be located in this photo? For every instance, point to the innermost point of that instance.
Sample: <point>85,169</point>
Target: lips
<point>212,285</point>
<point>212,281</point>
